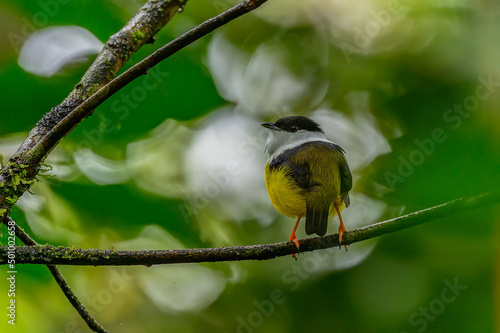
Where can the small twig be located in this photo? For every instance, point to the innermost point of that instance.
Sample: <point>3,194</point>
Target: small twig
<point>93,257</point>
<point>56,273</point>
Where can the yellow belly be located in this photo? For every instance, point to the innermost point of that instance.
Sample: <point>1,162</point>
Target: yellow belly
<point>287,197</point>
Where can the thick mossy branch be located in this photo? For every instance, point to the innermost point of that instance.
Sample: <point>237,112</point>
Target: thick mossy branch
<point>48,254</point>
<point>139,30</point>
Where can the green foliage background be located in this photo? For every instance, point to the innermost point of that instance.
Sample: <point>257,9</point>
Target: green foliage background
<point>403,77</point>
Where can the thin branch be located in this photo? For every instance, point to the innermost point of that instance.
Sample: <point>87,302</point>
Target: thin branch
<point>75,302</point>
<point>48,254</point>
<point>56,273</point>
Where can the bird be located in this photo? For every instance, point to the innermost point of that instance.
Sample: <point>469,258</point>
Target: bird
<point>306,175</point>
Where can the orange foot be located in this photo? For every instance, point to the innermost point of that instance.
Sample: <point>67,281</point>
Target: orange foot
<point>341,227</point>
<point>293,237</point>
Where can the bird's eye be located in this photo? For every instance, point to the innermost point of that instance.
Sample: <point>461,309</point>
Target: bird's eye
<point>294,129</point>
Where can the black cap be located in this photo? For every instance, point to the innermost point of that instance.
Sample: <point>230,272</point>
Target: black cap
<point>294,124</point>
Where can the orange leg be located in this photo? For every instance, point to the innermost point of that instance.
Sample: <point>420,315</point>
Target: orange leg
<point>341,227</point>
<point>293,237</point>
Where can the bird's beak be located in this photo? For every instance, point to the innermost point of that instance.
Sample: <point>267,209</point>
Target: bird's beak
<point>271,126</point>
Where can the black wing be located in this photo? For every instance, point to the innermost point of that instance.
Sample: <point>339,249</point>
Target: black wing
<point>297,171</point>
<point>345,178</point>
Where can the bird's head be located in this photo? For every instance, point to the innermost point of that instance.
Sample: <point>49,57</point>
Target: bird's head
<point>289,131</point>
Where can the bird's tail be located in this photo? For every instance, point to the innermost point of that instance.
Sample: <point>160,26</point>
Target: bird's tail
<point>316,222</point>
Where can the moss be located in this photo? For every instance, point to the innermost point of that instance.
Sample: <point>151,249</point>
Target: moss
<point>109,65</point>
<point>17,181</point>
<point>44,170</point>
<point>92,89</point>
<point>11,200</point>
<point>138,35</point>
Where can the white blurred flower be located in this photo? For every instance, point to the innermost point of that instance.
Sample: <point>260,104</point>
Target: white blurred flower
<point>225,167</point>
<point>47,51</point>
<point>361,27</point>
<point>174,288</point>
<point>156,163</point>
<point>100,170</point>
<point>49,216</point>
<point>260,82</point>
